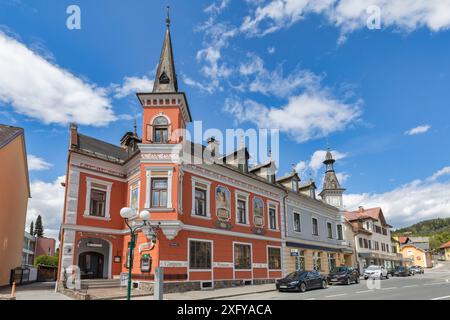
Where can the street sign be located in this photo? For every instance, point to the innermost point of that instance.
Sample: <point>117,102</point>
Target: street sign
<point>123,279</point>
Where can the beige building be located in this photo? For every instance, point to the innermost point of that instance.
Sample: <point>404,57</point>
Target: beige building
<point>14,194</point>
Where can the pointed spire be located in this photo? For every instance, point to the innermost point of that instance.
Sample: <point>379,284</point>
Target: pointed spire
<point>166,77</point>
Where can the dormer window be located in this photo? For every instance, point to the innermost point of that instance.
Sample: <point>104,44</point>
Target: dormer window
<point>295,185</point>
<point>161,130</point>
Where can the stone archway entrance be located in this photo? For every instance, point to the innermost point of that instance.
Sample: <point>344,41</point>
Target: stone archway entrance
<point>94,258</point>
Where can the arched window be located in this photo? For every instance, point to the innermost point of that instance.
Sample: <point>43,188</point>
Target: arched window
<point>161,130</point>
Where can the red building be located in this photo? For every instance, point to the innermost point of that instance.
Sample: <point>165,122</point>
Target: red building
<point>220,224</point>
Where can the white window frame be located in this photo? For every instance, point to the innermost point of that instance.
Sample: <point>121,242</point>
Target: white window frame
<point>281,258</point>
<point>312,226</point>
<point>245,195</point>
<point>196,181</point>
<point>337,231</point>
<point>251,256</point>
<point>272,205</point>
<point>189,255</point>
<point>148,189</point>
<point>331,223</point>
<point>293,221</point>
<point>89,187</point>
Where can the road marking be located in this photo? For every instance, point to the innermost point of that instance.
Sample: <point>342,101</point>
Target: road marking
<point>433,284</point>
<point>364,291</point>
<point>390,288</point>
<point>336,295</point>
<point>411,286</point>
<point>441,298</point>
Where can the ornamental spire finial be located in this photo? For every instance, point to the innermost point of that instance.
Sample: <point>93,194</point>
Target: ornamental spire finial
<point>168,17</point>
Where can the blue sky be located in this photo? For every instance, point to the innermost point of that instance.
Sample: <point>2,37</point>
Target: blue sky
<point>310,68</point>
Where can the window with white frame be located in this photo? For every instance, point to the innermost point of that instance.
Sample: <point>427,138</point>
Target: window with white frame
<point>242,208</point>
<point>331,261</point>
<point>159,193</point>
<point>330,230</point>
<point>317,265</point>
<point>315,226</point>
<point>200,254</point>
<point>98,197</point>
<point>200,198</point>
<point>340,234</point>
<point>273,223</point>
<point>158,188</point>
<point>274,255</point>
<point>297,222</point>
<point>242,256</point>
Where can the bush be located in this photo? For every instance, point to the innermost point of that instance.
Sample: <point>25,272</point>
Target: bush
<point>46,261</point>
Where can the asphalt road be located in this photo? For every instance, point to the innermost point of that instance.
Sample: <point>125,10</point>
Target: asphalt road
<point>433,285</point>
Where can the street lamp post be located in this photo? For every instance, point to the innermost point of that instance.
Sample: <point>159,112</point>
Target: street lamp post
<point>127,214</point>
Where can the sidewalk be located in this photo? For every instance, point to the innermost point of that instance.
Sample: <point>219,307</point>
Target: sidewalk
<point>214,294</point>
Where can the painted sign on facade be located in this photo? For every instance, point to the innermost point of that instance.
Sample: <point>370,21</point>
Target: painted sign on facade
<point>258,212</point>
<point>223,203</point>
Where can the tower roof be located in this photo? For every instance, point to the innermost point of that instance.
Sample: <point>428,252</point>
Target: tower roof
<point>330,182</point>
<point>166,77</point>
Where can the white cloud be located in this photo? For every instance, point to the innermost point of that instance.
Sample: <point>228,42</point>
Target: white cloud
<point>131,85</point>
<point>410,203</point>
<point>308,116</point>
<point>47,200</point>
<point>418,130</point>
<point>37,164</point>
<point>44,91</point>
<point>444,171</point>
<point>217,7</point>
<point>348,15</point>
<point>196,84</point>
<point>271,50</point>
<point>275,82</point>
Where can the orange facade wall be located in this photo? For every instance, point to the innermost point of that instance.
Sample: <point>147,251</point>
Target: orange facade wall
<point>118,201</point>
<point>13,206</point>
<point>187,218</point>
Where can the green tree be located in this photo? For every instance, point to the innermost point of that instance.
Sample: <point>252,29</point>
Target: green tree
<point>38,227</point>
<point>32,228</point>
<point>46,261</point>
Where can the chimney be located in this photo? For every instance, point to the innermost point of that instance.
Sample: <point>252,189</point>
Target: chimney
<point>360,209</point>
<point>73,135</point>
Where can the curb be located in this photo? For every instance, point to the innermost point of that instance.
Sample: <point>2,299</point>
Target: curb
<point>236,295</point>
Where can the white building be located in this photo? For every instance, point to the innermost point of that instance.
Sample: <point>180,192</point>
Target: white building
<point>372,238</point>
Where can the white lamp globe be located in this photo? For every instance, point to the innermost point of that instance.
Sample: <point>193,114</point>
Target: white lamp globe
<point>145,215</point>
<point>127,213</point>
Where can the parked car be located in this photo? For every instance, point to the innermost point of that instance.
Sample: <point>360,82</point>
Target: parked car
<point>374,271</point>
<point>343,275</point>
<point>401,271</point>
<point>417,269</point>
<point>391,271</point>
<point>302,281</point>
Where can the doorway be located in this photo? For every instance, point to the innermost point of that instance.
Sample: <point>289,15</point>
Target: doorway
<point>91,265</point>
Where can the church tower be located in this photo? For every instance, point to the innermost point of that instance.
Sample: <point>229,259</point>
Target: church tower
<point>165,108</point>
<point>332,191</point>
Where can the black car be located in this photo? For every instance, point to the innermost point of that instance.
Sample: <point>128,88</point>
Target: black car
<point>302,281</point>
<point>344,275</point>
<point>401,271</point>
